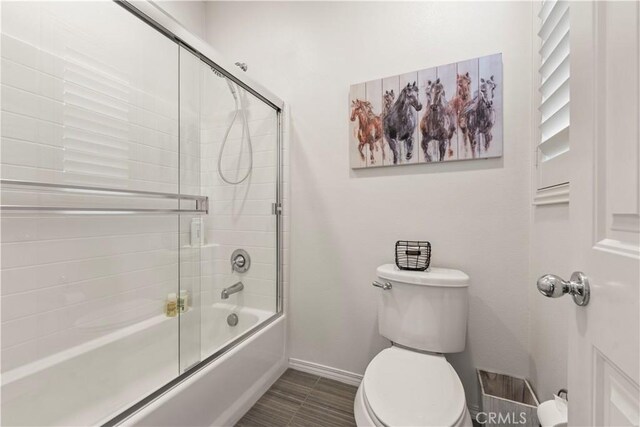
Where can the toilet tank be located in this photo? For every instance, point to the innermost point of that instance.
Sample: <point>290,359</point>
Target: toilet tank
<point>424,310</point>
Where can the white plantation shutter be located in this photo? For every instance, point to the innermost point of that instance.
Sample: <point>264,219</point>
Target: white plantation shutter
<point>554,73</point>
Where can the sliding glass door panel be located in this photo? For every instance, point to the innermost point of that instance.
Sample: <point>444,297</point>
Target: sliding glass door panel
<point>89,99</point>
<point>240,174</point>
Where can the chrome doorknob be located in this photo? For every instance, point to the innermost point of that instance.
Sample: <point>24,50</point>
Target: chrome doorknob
<point>553,286</point>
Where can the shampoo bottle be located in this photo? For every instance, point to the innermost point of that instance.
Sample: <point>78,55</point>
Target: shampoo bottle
<point>172,305</point>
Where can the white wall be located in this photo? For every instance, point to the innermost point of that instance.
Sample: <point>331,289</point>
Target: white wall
<point>550,253</point>
<point>189,13</point>
<point>344,222</point>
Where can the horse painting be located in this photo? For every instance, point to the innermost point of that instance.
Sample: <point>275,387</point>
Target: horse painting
<point>400,121</point>
<point>370,128</point>
<point>463,109</point>
<point>438,122</point>
<point>479,116</point>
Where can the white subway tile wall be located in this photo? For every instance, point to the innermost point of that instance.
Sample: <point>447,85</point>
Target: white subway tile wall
<point>89,97</point>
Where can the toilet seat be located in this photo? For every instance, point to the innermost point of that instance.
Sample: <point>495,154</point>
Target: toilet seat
<point>407,388</point>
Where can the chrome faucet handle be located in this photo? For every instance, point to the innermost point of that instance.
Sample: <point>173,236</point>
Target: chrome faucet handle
<point>240,261</point>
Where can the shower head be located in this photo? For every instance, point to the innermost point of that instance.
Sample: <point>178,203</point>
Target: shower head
<point>242,65</point>
<point>217,72</point>
<point>232,86</point>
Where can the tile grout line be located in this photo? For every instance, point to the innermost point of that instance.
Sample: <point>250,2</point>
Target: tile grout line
<point>304,401</point>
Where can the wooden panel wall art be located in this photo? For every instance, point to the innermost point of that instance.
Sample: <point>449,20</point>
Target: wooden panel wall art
<point>445,113</point>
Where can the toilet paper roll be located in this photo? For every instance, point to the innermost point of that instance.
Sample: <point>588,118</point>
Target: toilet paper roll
<point>553,413</point>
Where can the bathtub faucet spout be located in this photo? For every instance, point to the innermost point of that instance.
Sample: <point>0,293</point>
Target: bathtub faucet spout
<point>231,290</point>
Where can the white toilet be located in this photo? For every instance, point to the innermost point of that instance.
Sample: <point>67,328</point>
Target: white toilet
<point>424,314</point>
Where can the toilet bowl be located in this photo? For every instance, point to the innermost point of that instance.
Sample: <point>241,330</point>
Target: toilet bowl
<point>406,388</point>
<point>411,383</point>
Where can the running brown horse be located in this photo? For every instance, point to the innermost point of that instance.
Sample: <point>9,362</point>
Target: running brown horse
<point>461,101</point>
<point>370,128</point>
<point>463,93</point>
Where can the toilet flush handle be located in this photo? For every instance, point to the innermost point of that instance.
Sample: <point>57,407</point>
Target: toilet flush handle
<point>385,286</point>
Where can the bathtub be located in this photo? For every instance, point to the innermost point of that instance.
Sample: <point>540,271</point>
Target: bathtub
<point>216,333</point>
<point>69,388</point>
<point>221,392</point>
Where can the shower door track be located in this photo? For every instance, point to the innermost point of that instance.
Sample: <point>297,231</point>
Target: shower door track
<point>277,104</point>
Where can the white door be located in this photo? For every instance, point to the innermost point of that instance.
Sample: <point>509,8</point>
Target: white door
<point>604,352</point>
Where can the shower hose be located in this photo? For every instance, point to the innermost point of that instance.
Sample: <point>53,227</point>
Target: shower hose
<point>239,109</point>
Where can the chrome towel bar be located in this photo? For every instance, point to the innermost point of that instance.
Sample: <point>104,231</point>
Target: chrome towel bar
<point>201,202</point>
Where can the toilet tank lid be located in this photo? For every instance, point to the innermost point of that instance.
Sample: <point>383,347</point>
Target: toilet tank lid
<point>434,276</point>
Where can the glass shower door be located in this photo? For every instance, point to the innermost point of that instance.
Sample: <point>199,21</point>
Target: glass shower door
<point>113,264</point>
<point>89,101</point>
<point>239,174</point>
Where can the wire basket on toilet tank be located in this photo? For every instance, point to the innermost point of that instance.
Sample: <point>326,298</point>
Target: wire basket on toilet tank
<point>413,255</point>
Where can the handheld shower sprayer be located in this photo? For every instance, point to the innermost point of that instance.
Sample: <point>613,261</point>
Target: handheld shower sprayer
<point>239,109</point>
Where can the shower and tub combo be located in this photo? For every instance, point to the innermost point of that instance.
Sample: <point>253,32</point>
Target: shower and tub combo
<point>142,244</point>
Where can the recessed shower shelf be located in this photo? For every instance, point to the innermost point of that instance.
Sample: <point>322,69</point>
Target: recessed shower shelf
<point>201,202</point>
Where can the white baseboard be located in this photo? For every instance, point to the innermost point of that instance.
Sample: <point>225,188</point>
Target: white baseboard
<point>325,371</point>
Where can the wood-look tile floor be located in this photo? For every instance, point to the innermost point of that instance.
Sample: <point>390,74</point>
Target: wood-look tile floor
<point>299,399</point>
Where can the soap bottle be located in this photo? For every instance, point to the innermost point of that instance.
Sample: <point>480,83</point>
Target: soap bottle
<point>171,308</point>
<point>183,301</point>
